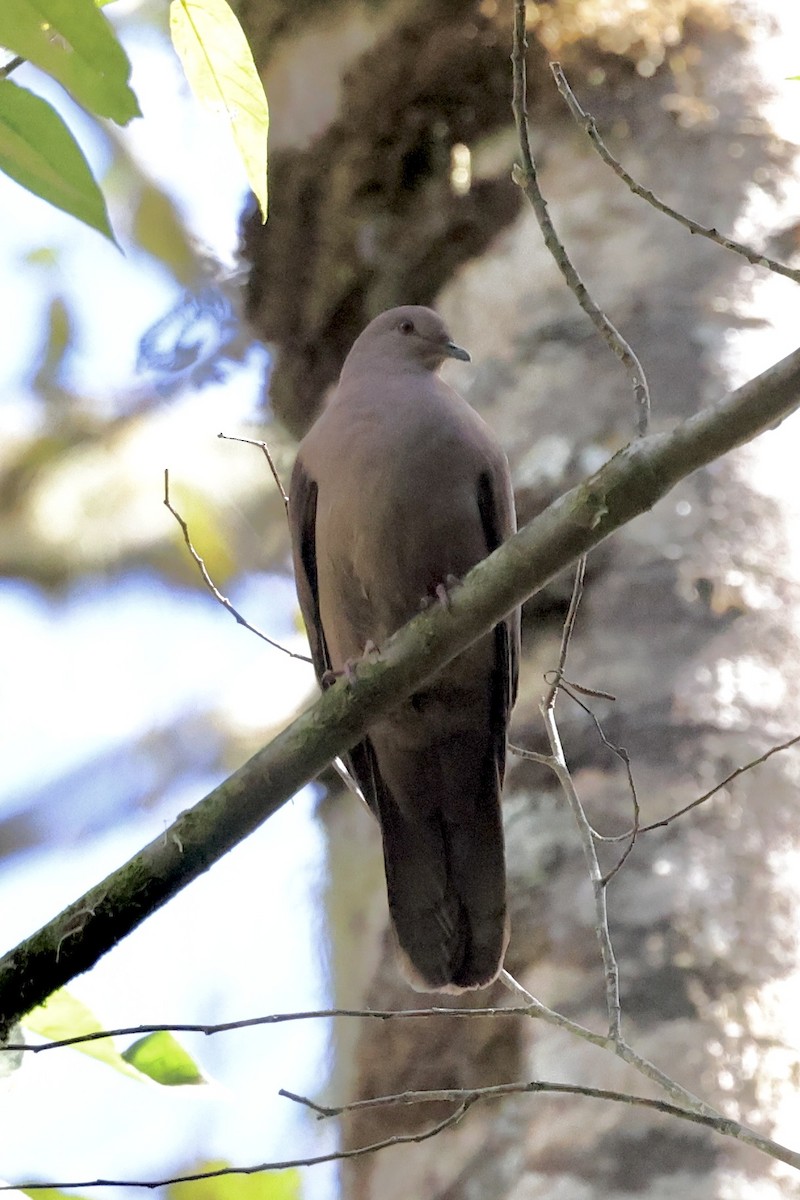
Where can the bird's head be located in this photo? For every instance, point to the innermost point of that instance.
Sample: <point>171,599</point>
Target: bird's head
<point>410,335</point>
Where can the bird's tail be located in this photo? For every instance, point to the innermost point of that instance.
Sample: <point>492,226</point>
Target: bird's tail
<point>445,873</point>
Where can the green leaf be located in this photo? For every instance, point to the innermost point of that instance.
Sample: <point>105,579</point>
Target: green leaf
<point>162,1058</point>
<point>269,1185</point>
<point>219,67</point>
<point>63,1016</point>
<point>39,152</point>
<point>73,42</point>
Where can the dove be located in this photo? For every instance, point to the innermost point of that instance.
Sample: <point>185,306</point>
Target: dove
<point>398,489</point>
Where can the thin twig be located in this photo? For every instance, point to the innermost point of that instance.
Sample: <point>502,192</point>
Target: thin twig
<point>581,688</point>
<point>755,762</point>
<point>610,968</point>
<point>622,754</point>
<point>10,66</point>
<point>526,177</point>
<point>533,1008</point>
<point>253,442</point>
<point>464,1099</point>
<point>399,1139</point>
<point>649,1070</point>
<point>726,1126</point>
<point>567,630</point>
<point>212,587</point>
<point>587,123</point>
<point>499,1091</point>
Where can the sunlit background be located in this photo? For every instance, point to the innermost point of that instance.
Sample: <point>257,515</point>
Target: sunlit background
<point>127,691</point>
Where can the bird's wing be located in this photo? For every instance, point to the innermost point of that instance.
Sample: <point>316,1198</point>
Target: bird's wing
<point>360,760</point>
<point>496,506</point>
<point>302,521</point>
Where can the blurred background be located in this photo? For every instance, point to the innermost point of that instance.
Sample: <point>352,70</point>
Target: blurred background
<point>127,692</point>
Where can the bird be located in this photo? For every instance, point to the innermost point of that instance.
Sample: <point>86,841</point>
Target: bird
<point>399,487</point>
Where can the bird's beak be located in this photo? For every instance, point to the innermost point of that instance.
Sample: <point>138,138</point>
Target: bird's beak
<point>454,351</point>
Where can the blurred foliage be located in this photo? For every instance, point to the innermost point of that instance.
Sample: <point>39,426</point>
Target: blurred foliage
<point>162,1058</point>
<point>50,1194</point>
<point>63,1016</point>
<point>158,1056</point>
<point>266,1185</point>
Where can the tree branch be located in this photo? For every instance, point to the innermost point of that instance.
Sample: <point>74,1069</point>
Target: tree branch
<point>587,123</point>
<point>629,484</point>
<point>526,177</point>
<point>203,569</point>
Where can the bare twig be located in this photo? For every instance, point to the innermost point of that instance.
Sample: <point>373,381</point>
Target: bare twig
<point>587,123</point>
<point>533,1008</point>
<point>400,1139</point>
<point>526,177</point>
<point>567,630</point>
<point>208,581</point>
<point>469,1096</point>
<point>463,1099</point>
<point>267,454</point>
<point>755,762</point>
<point>610,969</point>
<point>10,66</point>
<point>622,754</point>
<point>620,1047</point>
<point>687,1103</point>
<point>581,689</point>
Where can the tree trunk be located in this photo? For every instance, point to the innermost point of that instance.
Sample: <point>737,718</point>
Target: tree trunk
<point>689,617</point>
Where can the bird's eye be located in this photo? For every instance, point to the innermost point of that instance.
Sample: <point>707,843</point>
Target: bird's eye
<point>406,326</point>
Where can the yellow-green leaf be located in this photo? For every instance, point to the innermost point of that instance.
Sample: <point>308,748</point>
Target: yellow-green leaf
<point>162,1058</point>
<point>73,42</point>
<point>267,1185</point>
<point>63,1016</point>
<point>219,66</point>
<point>39,152</point>
<point>49,1193</point>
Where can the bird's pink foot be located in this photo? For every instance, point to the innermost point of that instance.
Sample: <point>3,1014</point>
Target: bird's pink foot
<point>441,593</point>
<point>348,671</point>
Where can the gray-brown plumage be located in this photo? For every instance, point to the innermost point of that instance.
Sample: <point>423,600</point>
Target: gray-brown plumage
<point>398,486</point>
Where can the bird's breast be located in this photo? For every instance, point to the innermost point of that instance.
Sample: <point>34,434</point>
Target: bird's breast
<point>390,537</point>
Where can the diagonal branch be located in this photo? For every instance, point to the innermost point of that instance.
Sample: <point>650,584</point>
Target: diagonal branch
<point>589,126</point>
<point>630,484</point>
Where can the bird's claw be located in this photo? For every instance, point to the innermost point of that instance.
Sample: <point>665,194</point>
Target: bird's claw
<point>348,671</point>
<point>441,594</point>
